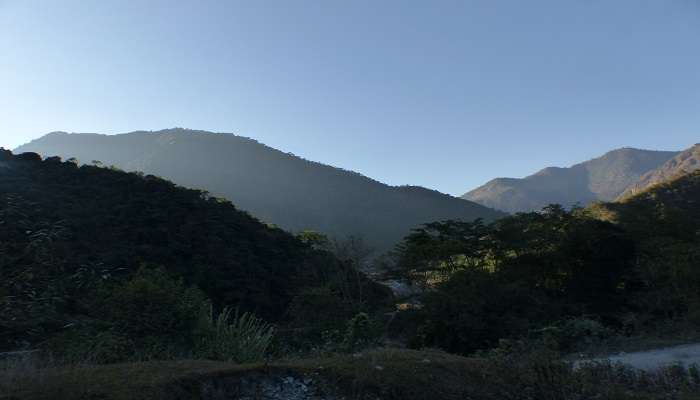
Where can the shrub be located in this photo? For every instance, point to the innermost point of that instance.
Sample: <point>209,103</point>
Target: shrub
<point>89,344</point>
<point>574,334</point>
<point>153,303</point>
<point>472,310</point>
<point>242,338</point>
<point>318,309</point>
<point>149,316</point>
<point>361,332</point>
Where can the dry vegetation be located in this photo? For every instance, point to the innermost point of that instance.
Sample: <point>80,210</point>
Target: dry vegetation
<point>385,374</point>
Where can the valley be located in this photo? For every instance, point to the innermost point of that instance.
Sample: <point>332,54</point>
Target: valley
<point>134,267</point>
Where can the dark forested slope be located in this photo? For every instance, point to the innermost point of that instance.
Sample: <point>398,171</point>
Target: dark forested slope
<point>276,187</point>
<point>67,231</point>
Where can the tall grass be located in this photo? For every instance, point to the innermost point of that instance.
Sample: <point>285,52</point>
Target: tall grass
<point>232,336</point>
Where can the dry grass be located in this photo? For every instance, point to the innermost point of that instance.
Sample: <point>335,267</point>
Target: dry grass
<point>143,380</point>
<point>387,374</point>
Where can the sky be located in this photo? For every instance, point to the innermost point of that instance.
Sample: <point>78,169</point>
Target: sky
<point>442,94</point>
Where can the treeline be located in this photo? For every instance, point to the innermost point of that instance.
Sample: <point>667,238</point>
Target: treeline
<point>565,275</point>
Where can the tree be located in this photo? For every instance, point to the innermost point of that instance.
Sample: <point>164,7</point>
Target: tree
<point>434,251</point>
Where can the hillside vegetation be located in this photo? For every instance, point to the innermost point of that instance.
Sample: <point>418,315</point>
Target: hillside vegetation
<point>276,187</point>
<point>121,281</point>
<point>568,278</point>
<point>115,262</point>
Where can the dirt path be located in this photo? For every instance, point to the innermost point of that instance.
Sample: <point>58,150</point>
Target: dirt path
<point>653,359</point>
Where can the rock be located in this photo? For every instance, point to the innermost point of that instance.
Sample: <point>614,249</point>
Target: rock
<point>268,387</point>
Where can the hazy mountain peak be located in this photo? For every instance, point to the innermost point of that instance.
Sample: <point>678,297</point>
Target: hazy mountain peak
<point>602,178</point>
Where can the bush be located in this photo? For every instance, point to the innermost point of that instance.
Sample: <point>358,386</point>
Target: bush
<point>242,338</point>
<point>472,310</point>
<point>361,332</point>
<point>153,303</point>
<point>90,344</point>
<point>149,316</point>
<point>318,309</point>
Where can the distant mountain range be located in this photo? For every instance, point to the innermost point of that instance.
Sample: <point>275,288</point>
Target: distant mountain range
<point>276,187</point>
<point>606,178</point>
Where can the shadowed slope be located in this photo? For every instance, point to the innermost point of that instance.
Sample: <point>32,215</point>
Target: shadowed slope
<point>66,231</point>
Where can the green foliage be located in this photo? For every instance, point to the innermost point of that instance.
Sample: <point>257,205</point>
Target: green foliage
<point>319,313</point>
<point>150,315</point>
<point>234,336</point>
<point>665,221</point>
<point>361,332</point>
<point>472,310</point>
<point>358,333</point>
<point>574,277</point>
<point>313,239</point>
<point>486,282</point>
<point>152,303</point>
<point>436,250</point>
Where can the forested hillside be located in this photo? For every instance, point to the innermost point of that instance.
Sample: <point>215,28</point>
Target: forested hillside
<point>567,277</point>
<point>94,251</point>
<point>277,187</point>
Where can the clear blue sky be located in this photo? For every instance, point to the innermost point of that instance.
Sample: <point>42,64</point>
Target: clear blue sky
<point>444,94</point>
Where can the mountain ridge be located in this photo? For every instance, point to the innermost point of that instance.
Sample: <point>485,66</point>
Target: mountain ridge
<point>602,178</point>
<point>683,163</point>
<point>277,187</point>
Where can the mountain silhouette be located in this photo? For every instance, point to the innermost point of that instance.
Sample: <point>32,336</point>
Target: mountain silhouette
<point>600,179</point>
<point>276,187</point>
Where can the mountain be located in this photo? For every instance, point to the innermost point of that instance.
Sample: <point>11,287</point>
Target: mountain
<point>277,187</point>
<point>603,178</point>
<point>669,209</point>
<point>68,232</point>
<point>683,163</point>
